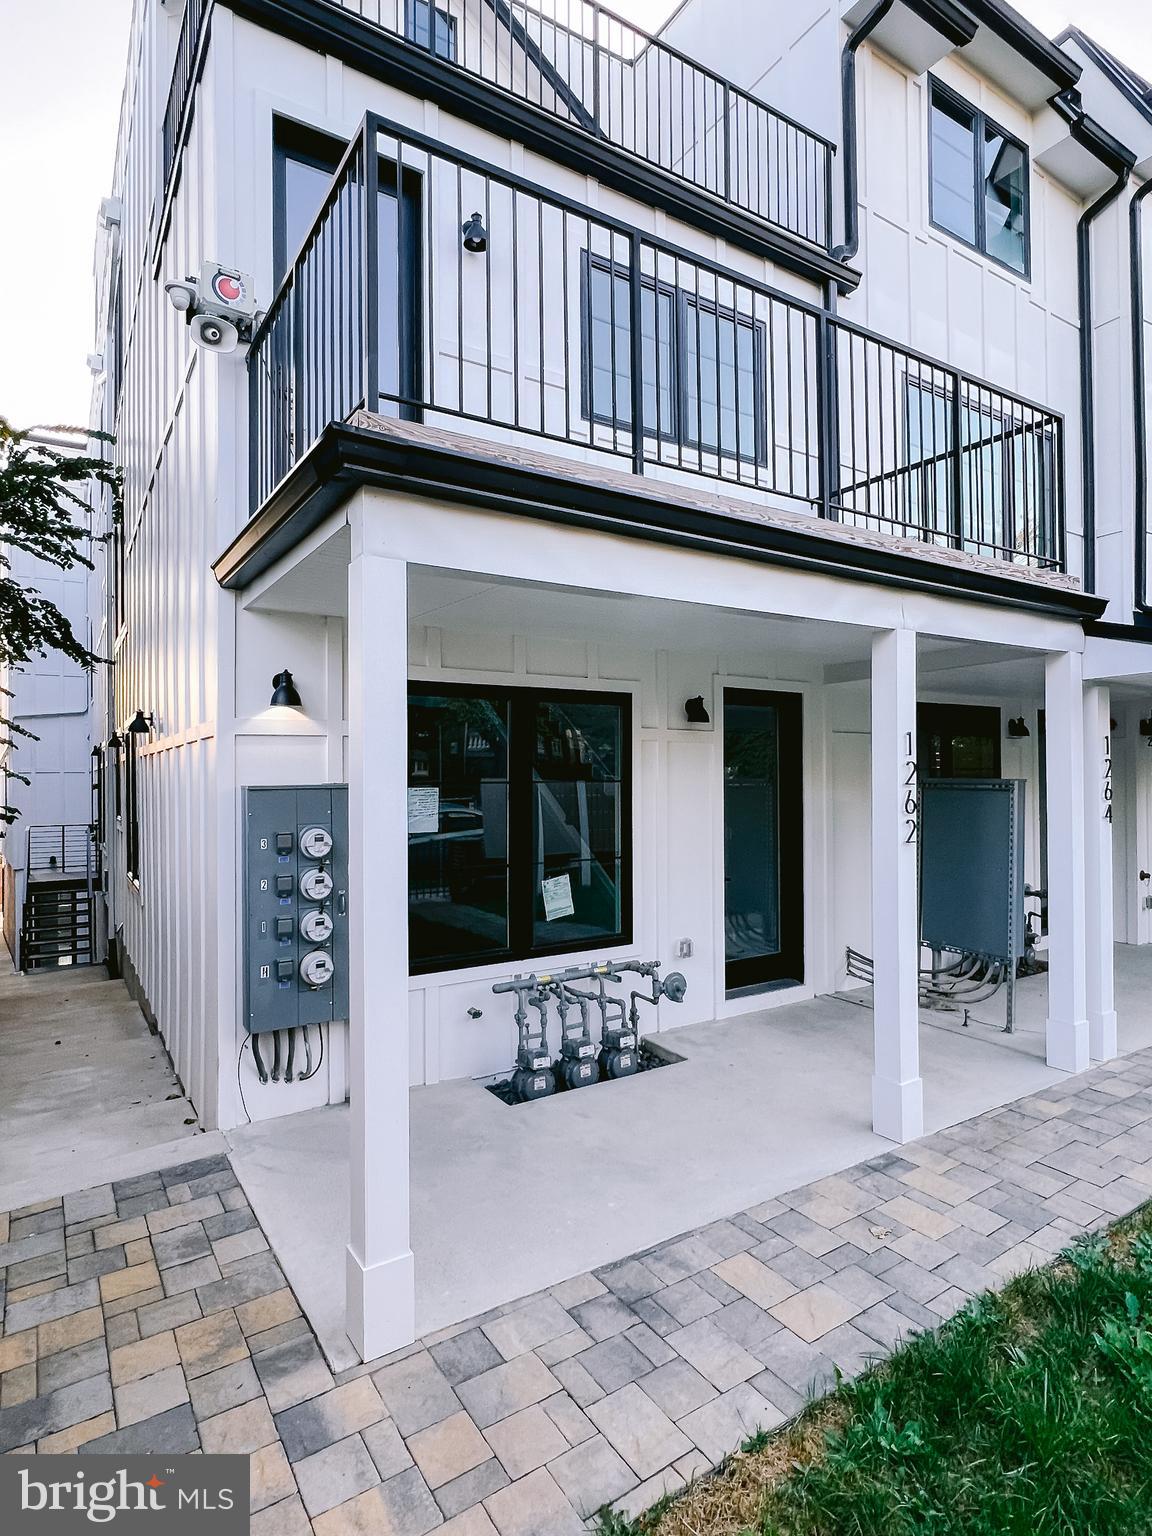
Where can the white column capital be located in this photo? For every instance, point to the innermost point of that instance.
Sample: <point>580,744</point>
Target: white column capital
<point>897,1090</point>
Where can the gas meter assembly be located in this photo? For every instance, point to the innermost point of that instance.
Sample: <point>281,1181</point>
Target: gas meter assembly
<point>296,906</point>
<point>580,1061</point>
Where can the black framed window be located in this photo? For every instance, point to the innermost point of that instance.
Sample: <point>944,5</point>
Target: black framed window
<point>131,808</point>
<point>432,27</point>
<point>978,180</point>
<point>702,363</point>
<point>304,163</point>
<point>519,823</point>
<point>958,741</point>
<point>1009,471</point>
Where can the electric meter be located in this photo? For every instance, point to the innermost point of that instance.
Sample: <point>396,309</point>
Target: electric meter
<point>315,885</point>
<point>315,842</point>
<point>316,927</point>
<point>316,968</point>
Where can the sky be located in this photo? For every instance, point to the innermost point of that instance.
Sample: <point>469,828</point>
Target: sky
<point>61,70</point>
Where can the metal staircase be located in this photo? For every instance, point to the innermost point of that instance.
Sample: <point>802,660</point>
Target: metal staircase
<point>57,917</point>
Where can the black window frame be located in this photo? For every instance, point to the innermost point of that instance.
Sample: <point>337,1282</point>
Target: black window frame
<point>981,124</point>
<point>948,720</point>
<point>521,862</point>
<point>683,431</point>
<point>131,809</point>
<point>437,14</point>
<point>293,140</point>
<point>1047,468</point>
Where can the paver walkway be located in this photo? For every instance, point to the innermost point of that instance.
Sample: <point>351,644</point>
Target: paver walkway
<point>150,1315</point>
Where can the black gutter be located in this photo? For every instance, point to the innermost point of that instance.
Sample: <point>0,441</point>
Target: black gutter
<point>953,23</point>
<point>346,36</point>
<point>1139,395</point>
<point>1088,367</point>
<point>346,458</point>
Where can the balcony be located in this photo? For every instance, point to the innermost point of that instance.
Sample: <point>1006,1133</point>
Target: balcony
<point>604,79</point>
<point>438,289</point>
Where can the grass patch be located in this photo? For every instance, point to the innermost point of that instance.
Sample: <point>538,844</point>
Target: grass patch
<point>1029,1412</point>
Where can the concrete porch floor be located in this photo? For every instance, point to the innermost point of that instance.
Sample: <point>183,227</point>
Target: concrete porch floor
<point>546,1191</point>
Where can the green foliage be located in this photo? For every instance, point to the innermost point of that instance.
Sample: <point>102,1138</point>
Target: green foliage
<point>43,511</point>
<point>1030,1412</point>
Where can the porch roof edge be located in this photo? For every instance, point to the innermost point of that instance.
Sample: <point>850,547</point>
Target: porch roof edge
<point>347,457</point>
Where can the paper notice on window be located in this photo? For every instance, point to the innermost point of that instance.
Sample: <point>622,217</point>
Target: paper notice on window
<point>557,893</point>
<point>423,811</point>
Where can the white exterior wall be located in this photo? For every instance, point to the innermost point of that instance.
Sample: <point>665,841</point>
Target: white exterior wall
<point>202,664</point>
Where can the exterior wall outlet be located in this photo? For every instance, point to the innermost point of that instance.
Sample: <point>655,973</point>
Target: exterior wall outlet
<point>684,946</point>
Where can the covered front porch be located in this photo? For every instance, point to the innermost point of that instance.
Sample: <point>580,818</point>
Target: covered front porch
<point>506,1204</point>
<point>778,1083</point>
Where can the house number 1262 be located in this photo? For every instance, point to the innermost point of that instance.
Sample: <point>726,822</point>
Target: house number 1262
<point>911,801</point>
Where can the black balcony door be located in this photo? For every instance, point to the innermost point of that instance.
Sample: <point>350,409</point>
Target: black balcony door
<point>305,163</point>
<point>763,839</point>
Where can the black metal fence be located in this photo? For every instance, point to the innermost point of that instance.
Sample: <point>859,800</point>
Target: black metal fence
<point>60,850</point>
<point>580,61</point>
<point>437,288</point>
<point>178,107</point>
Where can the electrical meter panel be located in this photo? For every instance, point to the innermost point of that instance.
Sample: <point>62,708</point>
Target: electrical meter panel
<point>296,906</point>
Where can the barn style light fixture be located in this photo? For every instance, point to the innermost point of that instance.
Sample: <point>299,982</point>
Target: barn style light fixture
<point>1018,728</point>
<point>142,724</point>
<point>695,711</point>
<point>284,692</point>
<point>475,235</point>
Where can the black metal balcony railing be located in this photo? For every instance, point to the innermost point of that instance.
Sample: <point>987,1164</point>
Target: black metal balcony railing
<point>579,61</point>
<point>570,327</point>
<point>60,850</point>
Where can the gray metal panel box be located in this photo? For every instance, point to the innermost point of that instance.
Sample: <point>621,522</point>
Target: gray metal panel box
<point>972,866</point>
<point>287,883</point>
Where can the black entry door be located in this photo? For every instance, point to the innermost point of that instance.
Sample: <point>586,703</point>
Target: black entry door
<point>763,839</point>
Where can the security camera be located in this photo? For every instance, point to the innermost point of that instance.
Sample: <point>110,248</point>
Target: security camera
<point>182,295</point>
<point>214,333</point>
<point>218,305</point>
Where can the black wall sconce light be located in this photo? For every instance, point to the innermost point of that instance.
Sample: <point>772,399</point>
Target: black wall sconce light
<point>1018,728</point>
<point>284,692</point>
<point>695,712</point>
<point>1146,727</point>
<point>142,724</point>
<point>475,235</point>
<point>114,742</point>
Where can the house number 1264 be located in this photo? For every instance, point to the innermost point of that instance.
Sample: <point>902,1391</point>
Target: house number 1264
<point>1108,778</point>
<point>911,801</point>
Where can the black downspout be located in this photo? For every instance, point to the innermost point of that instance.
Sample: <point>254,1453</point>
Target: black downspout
<point>1087,373</point>
<point>1139,396</point>
<point>873,19</point>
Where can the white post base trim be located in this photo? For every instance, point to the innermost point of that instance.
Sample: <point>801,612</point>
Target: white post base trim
<point>898,1108</point>
<point>1067,1044</point>
<point>1102,1044</point>
<point>381,1303</point>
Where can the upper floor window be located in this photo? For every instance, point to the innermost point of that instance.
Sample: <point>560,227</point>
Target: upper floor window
<point>702,363</point>
<point>430,26</point>
<point>978,180</point>
<point>305,162</point>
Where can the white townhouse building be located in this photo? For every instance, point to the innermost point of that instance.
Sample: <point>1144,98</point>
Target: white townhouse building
<point>645,465</point>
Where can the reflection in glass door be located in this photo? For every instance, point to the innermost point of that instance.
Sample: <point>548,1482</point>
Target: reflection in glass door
<point>763,839</point>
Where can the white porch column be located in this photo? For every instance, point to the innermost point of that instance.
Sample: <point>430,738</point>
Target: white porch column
<point>897,1090</point>
<point>1067,1030</point>
<point>1099,790</point>
<point>380,1283</point>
